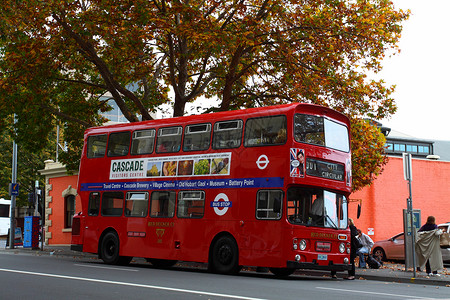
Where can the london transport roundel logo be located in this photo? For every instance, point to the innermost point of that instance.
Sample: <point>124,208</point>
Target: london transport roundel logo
<point>262,162</point>
<point>221,207</point>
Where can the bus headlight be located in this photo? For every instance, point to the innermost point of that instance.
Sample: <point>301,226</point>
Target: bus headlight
<point>342,247</point>
<point>302,245</point>
<point>294,244</point>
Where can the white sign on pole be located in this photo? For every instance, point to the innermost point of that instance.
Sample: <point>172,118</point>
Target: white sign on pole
<point>407,163</point>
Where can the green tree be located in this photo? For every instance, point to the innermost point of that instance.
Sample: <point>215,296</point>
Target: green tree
<point>60,59</point>
<point>28,164</point>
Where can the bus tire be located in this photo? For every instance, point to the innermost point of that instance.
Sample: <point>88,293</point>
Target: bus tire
<point>281,272</point>
<point>225,256</point>
<point>109,249</point>
<point>162,263</point>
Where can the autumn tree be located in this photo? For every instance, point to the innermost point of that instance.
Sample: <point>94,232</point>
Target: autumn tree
<point>60,59</point>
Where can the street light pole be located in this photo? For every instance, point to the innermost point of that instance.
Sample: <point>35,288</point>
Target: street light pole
<point>12,216</point>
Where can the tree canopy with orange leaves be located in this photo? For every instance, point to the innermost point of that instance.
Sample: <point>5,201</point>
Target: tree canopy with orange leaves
<point>62,60</point>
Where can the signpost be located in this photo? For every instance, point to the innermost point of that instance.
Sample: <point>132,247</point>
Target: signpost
<point>409,220</point>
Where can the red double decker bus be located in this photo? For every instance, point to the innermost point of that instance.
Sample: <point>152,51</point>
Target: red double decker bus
<point>261,187</point>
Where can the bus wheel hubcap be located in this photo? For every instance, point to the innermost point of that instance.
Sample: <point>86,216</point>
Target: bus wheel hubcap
<point>225,254</point>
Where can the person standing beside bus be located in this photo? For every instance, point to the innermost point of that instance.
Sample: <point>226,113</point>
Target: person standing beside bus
<point>353,248</point>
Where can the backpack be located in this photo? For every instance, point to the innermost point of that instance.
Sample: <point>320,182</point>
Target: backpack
<point>372,262</point>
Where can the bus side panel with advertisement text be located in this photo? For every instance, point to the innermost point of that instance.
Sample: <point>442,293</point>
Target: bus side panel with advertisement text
<point>257,187</point>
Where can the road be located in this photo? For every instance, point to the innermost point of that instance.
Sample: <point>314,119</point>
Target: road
<point>54,277</point>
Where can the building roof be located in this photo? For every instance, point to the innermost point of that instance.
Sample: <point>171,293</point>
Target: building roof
<point>442,148</point>
<point>439,147</point>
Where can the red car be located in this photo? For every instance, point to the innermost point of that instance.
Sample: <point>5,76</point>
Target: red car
<point>394,248</point>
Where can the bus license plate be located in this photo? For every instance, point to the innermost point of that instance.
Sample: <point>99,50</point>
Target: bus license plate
<point>322,257</point>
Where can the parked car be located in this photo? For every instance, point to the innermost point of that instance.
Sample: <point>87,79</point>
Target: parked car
<point>394,248</point>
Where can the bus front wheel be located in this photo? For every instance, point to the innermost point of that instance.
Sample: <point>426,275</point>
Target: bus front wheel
<point>109,250</point>
<point>225,256</point>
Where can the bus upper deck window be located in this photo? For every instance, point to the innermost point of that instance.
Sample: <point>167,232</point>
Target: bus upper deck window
<point>197,137</point>
<point>318,130</point>
<point>265,131</point>
<point>169,140</point>
<point>119,143</point>
<point>143,142</point>
<point>227,134</point>
<point>96,145</point>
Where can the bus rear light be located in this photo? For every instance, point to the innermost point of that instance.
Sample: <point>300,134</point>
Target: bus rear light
<point>342,247</point>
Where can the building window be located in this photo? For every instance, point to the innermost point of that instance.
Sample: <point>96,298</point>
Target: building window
<point>69,211</point>
<point>411,148</point>
<point>389,146</point>
<point>424,149</point>
<point>399,147</point>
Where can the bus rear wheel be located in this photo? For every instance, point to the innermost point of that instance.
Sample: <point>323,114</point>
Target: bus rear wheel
<point>225,256</point>
<point>109,250</point>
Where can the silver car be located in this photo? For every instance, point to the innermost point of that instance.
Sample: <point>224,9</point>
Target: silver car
<point>394,248</point>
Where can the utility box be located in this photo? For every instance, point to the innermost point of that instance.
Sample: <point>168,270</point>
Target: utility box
<point>409,234</point>
<point>31,232</point>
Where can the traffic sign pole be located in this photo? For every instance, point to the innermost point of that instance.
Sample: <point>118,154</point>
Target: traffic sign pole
<point>15,188</point>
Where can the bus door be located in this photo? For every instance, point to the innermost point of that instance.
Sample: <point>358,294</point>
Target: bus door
<point>264,235</point>
<point>160,225</point>
<point>190,229</point>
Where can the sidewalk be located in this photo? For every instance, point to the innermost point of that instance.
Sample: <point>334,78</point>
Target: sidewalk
<point>389,272</point>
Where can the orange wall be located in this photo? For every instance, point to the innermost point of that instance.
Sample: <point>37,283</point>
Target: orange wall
<point>59,184</point>
<point>383,202</point>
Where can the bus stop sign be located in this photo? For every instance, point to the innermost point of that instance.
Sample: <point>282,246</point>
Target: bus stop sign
<point>14,189</point>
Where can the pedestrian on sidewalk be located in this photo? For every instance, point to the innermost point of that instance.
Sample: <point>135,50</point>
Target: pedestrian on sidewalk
<point>355,244</point>
<point>367,244</point>
<point>428,248</point>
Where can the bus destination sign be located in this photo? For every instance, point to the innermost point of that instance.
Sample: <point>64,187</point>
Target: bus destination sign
<point>324,169</point>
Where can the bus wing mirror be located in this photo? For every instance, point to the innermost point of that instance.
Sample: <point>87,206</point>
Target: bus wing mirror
<point>358,212</point>
<point>277,205</point>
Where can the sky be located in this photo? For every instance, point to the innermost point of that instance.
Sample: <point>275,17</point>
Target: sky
<point>421,71</point>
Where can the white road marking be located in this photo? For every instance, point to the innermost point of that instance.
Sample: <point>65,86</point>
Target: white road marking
<point>130,284</point>
<point>109,268</point>
<point>372,293</point>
